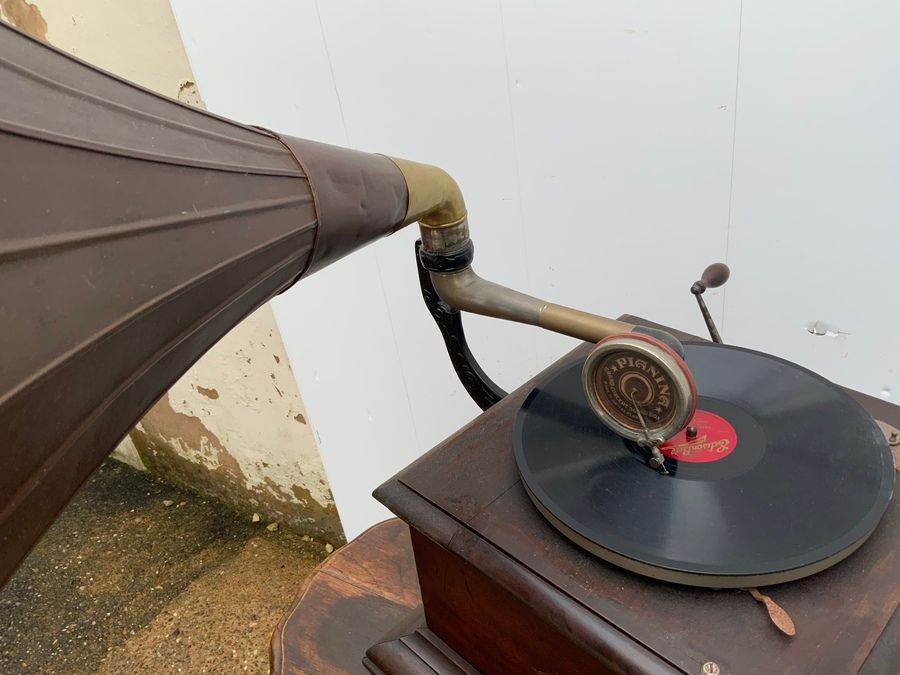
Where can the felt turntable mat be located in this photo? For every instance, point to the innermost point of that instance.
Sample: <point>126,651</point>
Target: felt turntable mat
<point>787,474</point>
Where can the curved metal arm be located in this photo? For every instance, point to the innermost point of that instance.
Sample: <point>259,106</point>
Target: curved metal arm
<point>436,202</point>
<point>466,291</point>
<point>483,390</point>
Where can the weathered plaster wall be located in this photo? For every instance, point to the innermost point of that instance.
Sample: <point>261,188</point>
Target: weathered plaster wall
<point>234,426</point>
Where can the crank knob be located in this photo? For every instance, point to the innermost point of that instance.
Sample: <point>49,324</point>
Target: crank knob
<point>713,276</point>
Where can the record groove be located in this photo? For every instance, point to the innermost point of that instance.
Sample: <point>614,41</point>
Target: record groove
<point>790,476</point>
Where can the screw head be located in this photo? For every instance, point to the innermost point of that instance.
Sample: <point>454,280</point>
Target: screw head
<point>710,668</point>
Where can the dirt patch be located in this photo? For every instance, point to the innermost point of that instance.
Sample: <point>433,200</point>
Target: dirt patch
<point>203,632</point>
<point>103,587</point>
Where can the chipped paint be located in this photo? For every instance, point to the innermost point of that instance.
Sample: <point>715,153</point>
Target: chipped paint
<point>237,442</point>
<point>24,15</point>
<point>218,475</point>
<point>824,328</point>
<point>183,449</point>
<point>188,433</point>
<point>188,93</point>
<point>840,343</point>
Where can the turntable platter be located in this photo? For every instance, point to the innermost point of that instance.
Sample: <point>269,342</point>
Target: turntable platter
<point>784,476</point>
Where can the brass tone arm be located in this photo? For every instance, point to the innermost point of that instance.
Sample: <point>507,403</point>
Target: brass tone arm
<point>436,202</point>
<point>468,292</point>
<point>581,325</point>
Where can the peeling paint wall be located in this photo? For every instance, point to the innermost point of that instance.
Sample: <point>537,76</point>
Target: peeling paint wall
<point>234,427</point>
<point>24,15</point>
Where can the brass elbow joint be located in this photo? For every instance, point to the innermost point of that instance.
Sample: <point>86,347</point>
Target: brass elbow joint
<point>436,202</point>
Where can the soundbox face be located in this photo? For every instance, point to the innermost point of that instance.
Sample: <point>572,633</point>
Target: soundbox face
<point>136,231</point>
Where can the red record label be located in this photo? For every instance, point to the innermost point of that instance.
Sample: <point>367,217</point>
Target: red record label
<point>715,439</point>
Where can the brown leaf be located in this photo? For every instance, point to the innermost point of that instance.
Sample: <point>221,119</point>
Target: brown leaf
<point>892,434</point>
<point>779,617</point>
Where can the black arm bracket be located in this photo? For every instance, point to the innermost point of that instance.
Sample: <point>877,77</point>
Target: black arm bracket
<point>480,387</point>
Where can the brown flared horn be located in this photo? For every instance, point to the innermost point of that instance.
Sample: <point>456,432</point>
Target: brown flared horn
<point>134,233</point>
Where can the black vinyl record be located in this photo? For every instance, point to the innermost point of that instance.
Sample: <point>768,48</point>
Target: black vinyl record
<point>786,475</point>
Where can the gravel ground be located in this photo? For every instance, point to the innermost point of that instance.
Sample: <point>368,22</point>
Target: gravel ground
<point>139,577</point>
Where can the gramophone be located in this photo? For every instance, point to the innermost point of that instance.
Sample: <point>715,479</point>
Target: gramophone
<point>137,231</point>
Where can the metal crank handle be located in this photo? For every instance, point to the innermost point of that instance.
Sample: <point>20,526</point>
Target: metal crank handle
<point>713,276</point>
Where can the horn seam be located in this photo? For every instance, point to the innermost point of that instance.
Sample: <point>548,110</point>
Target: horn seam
<point>26,488</point>
<point>80,94</point>
<point>56,138</point>
<point>157,301</point>
<point>34,43</point>
<point>312,190</point>
<point>23,248</point>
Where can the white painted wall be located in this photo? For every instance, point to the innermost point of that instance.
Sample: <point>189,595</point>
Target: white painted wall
<point>608,152</point>
<point>815,226</point>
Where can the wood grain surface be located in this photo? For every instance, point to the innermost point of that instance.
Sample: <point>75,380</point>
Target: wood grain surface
<point>348,604</point>
<point>504,590</point>
<point>466,492</point>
